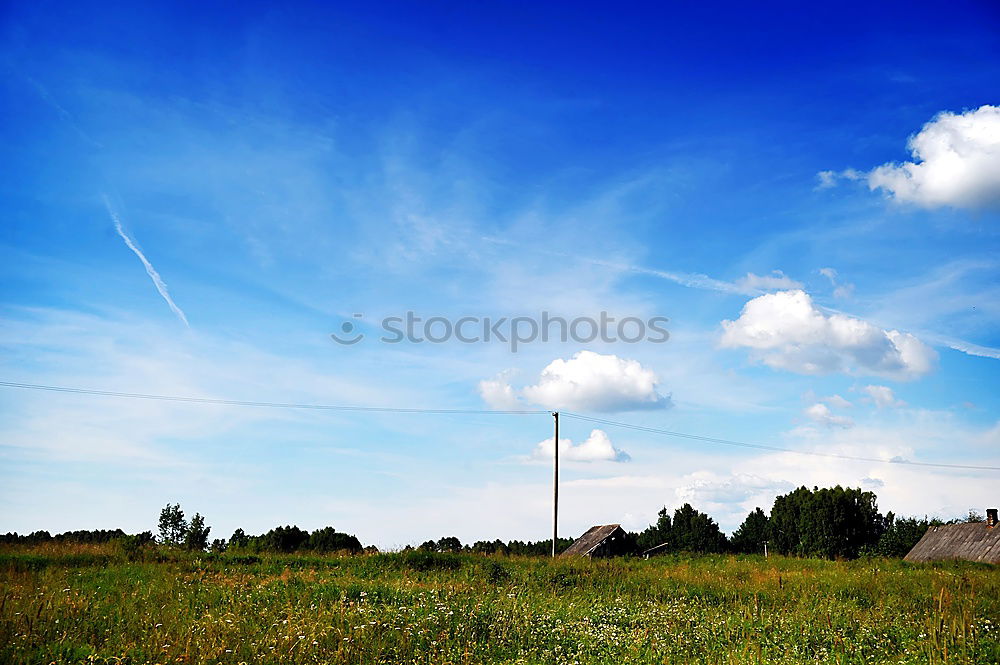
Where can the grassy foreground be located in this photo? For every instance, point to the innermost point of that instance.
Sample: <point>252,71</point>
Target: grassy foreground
<point>91,605</point>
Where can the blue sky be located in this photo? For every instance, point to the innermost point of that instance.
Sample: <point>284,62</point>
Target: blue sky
<point>812,199</point>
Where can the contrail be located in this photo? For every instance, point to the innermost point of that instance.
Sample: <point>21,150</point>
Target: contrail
<point>706,283</point>
<point>150,270</point>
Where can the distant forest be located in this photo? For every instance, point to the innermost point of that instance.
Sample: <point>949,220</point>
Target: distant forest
<point>832,523</point>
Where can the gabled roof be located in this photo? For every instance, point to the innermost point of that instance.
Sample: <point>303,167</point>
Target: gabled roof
<point>972,541</point>
<point>591,540</point>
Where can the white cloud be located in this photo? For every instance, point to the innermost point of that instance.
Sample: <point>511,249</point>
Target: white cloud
<point>499,394</point>
<point>785,330</point>
<point>708,490</point>
<point>840,290</point>
<point>776,281</point>
<point>956,163</point>
<point>586,382</point>
<point>837,401</point>
<point>883,396</point>
<point>820,413</point>
<point>597,448</point>
<point>827,179</point>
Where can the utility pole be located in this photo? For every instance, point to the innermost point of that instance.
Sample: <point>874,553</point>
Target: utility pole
<point>555,484</point>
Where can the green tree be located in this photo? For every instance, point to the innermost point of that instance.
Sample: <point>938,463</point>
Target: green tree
<point>749,538</point>
<point>901,534</point>
<point>238,539</point>
<point>196,537</point>
<point>784,522</point>
<point>655,534</point>
<point>449,544</point>
<point>282,539</point>
<point>329,539</point>
<point>490,547</point>
<point>173,526</point>
<point>694,531</point>
<point>831,522</point>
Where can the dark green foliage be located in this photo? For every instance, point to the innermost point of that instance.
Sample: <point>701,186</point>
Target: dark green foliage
<point>288,539</point>
<point>786,514</point>
<point>694,531</point>
<point>829,522</point>
<point>328,539</point>
<point>133,546</point>
<point>196,537</point>
<point>423,560</point>
<point>655,534</point>
<point>238,539</point>
<point>95,536</point>
<point>750,537</point>
<point>537,548</point>
<point>688,531</point>
<point>490,547</point>
<point>281,539</point>
<point>173,527</point>
<point>495,572</point>
<point>449,544</point>
<point>901,535</point>
<point>218,546</point>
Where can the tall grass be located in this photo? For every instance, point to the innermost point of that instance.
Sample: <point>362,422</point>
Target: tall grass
<point>96,606</point>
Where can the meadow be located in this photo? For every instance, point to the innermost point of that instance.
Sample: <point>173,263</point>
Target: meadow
<point>97,604</point>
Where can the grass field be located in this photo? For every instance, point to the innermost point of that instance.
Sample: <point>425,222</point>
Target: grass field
<point>84,605</point>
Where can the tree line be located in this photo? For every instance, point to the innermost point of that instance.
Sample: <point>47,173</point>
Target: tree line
<point>831,523</point>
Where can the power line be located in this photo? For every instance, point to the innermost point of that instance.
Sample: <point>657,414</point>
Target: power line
<point>273,405</point>
<point>577,416</point>
<point>759,446</point>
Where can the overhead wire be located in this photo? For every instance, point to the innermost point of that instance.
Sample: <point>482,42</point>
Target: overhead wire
<point>760,446</point>
<point>417,410</point>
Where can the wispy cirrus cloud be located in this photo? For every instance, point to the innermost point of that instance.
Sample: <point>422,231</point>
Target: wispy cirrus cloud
<point>158,282</point>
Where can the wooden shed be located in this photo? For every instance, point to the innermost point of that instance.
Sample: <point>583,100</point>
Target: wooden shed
<point>601,541</point>
<point>972,541</point>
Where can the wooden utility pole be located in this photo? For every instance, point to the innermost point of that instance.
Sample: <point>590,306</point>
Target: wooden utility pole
<point>555,484</point>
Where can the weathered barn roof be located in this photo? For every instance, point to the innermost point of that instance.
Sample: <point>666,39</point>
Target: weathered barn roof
<point>973,541</point>
<point>590,541</point>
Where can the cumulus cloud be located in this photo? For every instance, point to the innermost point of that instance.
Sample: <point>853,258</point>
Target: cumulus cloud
<point>597,448</point>
<point>820,413</point>
<point>776,281</point>
<point>586,382</point>
<point>499,394</point>
<point>956,163</point>
<point>785,330</point>
<point>883,396</point>
<point>708,489</point>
